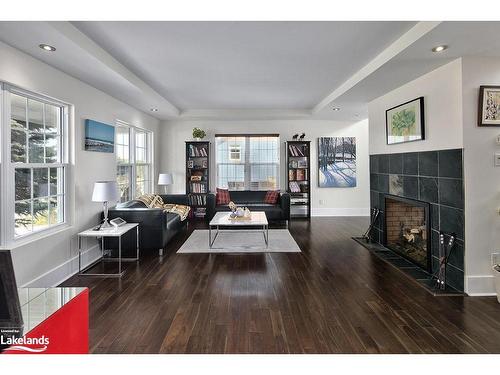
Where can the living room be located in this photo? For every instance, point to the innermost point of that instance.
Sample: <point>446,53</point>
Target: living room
<point>261,187</point>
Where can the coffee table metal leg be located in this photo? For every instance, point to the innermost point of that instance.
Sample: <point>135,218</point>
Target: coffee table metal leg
<point>265,232</point>
<point>210,239</point>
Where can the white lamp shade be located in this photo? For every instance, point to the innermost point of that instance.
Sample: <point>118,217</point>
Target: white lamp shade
<point>105,191</point>
<point>165,179</point>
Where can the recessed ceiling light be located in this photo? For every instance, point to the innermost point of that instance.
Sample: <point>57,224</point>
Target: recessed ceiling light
<point>335,109</point>
<point>154,109</point>
<point>439,48</point>
<point>47,47</point>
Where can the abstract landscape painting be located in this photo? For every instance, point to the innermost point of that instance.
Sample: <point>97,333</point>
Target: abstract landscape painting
<point>405,122</point>
<point>99,137</point>
<point>337,162</point>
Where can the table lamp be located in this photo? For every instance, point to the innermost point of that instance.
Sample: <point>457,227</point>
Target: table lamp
<point>105,192</point>
<point>165,179</point>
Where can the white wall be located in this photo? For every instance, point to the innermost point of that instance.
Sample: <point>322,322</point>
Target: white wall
<point>442,92</point>
<point>335,201</point>
<point>482,179</point>
<point>53,258</point>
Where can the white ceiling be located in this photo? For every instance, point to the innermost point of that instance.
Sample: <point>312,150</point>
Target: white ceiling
<point>244,65</point>
<point>250,69</point>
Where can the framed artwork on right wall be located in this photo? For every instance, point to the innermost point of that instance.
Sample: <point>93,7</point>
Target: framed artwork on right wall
<point>489,106</point>
<point>405,122</point>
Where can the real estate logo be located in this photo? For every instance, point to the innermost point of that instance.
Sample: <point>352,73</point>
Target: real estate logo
<point>10,340</point>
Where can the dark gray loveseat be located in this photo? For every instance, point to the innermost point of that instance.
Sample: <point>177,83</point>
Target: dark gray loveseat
<point>254,200</point>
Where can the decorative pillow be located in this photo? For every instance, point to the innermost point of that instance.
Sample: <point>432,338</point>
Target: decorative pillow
<point>272,197</point>
<point>222,197</point>
<point>151,200</point>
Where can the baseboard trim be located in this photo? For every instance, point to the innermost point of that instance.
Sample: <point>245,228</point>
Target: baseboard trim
<point>480,285</point>
<point>64,271</point>
<point>318,211</point>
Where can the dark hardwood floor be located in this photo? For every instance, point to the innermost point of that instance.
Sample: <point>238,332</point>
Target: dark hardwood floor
<point>334,297</point>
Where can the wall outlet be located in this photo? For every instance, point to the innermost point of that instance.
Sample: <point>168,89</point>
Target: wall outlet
<point>321,202</point>
<point>497,159</point>
<point>498,139</point>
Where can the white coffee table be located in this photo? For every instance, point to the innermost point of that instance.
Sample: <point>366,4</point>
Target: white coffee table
<point>222,219</point>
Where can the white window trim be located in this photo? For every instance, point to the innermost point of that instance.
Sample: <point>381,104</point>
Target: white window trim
<point>7,192</point>
<point>132,157</point>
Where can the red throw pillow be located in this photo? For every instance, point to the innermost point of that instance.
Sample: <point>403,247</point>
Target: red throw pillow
<point>272,197</point>
<point>222,197</point>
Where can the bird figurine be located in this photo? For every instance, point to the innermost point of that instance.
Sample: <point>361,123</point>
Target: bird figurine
<point>295,136</point>
<point>302,136</point>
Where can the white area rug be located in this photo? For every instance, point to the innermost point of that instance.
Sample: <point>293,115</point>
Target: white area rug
<point>240,241</point>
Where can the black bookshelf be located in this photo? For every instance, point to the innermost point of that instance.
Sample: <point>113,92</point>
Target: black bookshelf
<point>298,177</point>
<point>198,176</point>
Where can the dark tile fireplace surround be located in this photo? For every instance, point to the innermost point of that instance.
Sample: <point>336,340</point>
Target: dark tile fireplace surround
<point>435,180</point>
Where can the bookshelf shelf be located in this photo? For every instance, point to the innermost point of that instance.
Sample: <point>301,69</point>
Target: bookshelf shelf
<point>198,176</point>
<point>298,162</point>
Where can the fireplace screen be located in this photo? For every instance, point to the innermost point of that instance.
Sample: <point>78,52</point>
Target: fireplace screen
<point>407,229</point>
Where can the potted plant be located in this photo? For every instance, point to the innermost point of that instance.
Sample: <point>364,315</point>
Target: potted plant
<point>198,134</point>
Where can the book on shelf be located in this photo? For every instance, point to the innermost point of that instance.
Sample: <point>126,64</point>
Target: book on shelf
<point>200,212</point>
<point>198,187</point>
<point>291,174</point>
<point>301,174</point>
<point>302,163</point>
<point>198,200</point>
<point>294,187</point>
<point>197,151</point>
<point>295,150</point>
<point>299,201</point>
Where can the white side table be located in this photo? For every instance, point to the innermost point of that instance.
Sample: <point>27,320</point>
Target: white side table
<point>103,233</point>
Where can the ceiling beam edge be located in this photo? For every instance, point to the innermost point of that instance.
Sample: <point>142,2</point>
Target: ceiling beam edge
<point>403,42</point>
<point>83,41</point>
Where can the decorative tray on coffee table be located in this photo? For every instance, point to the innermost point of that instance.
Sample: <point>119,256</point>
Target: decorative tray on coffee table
<point>240,218</point>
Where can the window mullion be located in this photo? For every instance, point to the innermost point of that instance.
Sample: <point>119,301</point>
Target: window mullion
<point>44,134</point>
<point>32,198</point>
<point>26,127</point>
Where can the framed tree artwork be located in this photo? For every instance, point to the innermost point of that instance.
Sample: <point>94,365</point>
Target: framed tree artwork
<point>405,122</point>
<point>336,162</point>
<point>489,106</point>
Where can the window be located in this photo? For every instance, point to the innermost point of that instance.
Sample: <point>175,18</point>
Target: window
<point>124,169</point>
<point>35,169</point>
<point>134,167</point>
<point>247,162</point>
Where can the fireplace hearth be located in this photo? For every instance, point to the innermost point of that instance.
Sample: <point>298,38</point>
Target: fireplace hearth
<point>407,229</point>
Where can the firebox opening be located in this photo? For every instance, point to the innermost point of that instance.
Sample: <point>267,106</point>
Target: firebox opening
<point>407,229</point>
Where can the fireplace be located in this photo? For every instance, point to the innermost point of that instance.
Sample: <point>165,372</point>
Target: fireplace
<point>406,229</point>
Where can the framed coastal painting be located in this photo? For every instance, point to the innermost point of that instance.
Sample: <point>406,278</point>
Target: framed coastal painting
<point>489,106</point>
<point>405,122</point>
<point>336,162</point>
<point>99,137</point>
